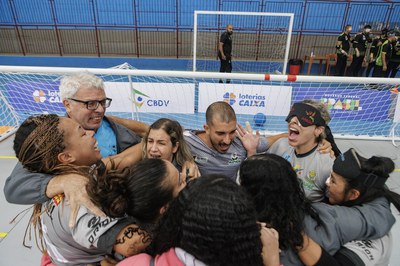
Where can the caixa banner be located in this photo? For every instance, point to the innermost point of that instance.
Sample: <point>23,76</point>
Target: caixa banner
<point>34,97</point>
<point>349,103</point>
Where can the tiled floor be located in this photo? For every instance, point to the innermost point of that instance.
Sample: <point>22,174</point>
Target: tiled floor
<point>12,252</point>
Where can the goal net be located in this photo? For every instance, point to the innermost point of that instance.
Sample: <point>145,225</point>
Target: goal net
<point>360,108</point>
<point>260,40</point>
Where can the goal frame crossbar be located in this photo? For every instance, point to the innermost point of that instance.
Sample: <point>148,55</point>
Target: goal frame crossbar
<point>212,75</point>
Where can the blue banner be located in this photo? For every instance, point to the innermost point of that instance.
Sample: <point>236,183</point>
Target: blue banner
<point>34,97</point>
<point>349,103</point>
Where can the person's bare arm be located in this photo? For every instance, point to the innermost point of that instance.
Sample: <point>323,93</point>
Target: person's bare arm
<point>270,250</point>
<point>130,242</point>
<point>338,44</point>
<point>138,127</point>
<point>312,254</point>
<point>384,66</point>
<point>271,139</point>
<point>126,158</point>
<point>190,170</point>
<point>74,188</point>
<point>221,50</point>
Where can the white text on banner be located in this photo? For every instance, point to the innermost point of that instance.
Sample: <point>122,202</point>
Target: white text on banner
<point>151,97</point>
<point>247,98</point>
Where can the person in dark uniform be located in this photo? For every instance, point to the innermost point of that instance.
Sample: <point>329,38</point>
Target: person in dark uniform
<point>394,61</point>
<point>342,51</point>
<point>225,51</point>
<point>376,43</point>
<point>360,47</point>
<point>383,56</point>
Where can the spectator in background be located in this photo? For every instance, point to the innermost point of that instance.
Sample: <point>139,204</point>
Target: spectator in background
<point>342,51</point>
<point>360,47</point>
<point>376,43</point>
<point>394,61</point>
<point>384,55</point>
<point>225,51</point>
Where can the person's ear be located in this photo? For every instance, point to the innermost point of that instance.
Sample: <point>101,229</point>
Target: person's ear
<point>163,209</point>
<point>67,105</point>
<point>353,194</point>
<point>206,128</point>
<point>318,131</point>
<point>65,158</point>
<point>176,147</point>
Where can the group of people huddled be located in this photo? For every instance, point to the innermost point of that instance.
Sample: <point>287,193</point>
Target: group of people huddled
<point>381,54</point>
<point>110,191</point>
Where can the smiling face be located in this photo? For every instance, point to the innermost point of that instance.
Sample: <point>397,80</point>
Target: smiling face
<point>88,119</point>
<point>336,187</point>
<point>80,145</point>
<point>159,145</point>
<point>303,139</point>
<point>220,134</point>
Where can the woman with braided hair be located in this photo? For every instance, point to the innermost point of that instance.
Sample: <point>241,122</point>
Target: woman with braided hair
<point>133,196</point>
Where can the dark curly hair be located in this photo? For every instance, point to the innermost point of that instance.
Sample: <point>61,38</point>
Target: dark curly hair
<point>214,220</point>
<point>139,191</point>
<point>278,196</point>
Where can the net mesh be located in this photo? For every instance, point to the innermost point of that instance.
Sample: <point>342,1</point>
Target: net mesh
<point>357,110</point>
<point>258,41</point>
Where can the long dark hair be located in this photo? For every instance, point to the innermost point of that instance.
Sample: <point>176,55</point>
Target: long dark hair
<point>381,167</point>
<point>139,191</point>
<point>214,220</point>
<point>278,196</point>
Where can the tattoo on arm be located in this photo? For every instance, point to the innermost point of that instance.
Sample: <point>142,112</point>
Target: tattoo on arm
<point>130,231</point>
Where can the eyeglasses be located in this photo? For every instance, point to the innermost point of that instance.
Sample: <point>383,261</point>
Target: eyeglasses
<point>93,104</point>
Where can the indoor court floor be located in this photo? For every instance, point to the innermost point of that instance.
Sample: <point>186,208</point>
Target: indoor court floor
<point>12,251</point>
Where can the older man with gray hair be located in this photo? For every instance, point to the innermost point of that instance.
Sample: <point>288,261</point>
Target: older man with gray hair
<point>85,101</point>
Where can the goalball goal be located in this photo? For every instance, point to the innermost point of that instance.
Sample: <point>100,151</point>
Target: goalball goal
<point>361,108</point>
<point>260,40</point>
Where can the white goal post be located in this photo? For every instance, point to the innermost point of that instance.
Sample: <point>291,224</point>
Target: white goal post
<point>361,108</point>
<point>258,33</point>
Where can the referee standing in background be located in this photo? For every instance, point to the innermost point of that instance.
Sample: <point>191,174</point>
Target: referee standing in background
<point>225,51</point>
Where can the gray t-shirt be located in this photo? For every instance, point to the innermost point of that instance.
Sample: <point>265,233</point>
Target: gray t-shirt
<point>88,242</point>
<point>211,161</point>
<point>312,168</point>
<point>375,252</point>
<point>341,224</point>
